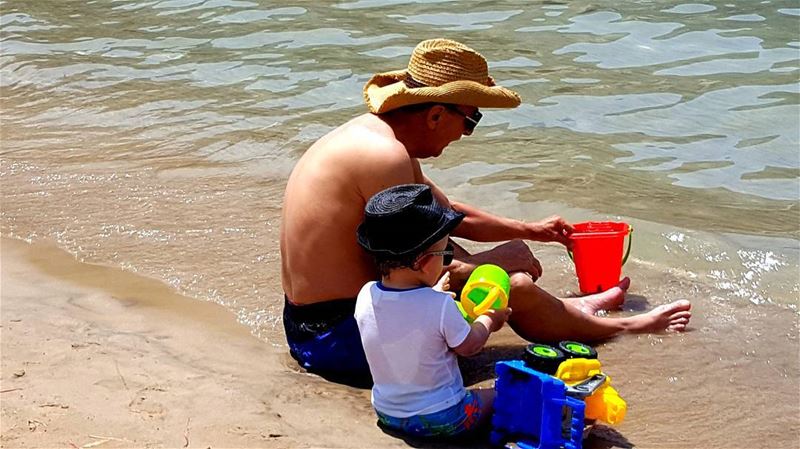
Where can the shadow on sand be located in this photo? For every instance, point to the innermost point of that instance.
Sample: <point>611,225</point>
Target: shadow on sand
<point>605,437</point>
<point>480,367</point>
<point>636,303</point>
<point>477,440</point>
<point>600,437</point>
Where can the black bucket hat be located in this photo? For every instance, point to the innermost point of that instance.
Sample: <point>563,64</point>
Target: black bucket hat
<point>404,220</point>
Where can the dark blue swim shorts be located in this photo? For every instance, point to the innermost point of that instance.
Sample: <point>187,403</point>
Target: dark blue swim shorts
<point>324,339</point>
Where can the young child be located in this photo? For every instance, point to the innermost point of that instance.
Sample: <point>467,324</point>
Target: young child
<point>410,328</point>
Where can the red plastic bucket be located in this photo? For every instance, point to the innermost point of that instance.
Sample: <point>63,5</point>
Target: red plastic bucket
<point>597,253</point>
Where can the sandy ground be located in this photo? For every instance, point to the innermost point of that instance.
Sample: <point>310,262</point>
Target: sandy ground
<point>96,357</point>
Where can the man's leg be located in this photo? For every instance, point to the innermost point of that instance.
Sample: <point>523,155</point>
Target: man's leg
<point>538,315</point>
<point>608,300</point>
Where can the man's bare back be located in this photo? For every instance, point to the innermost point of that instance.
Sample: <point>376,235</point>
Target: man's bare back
<point>324,203</point>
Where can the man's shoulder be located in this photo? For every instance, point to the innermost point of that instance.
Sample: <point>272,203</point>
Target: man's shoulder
<point>369,131</point>
<point>363,142</point>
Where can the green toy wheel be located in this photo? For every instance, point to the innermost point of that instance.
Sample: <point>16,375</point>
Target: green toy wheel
<point>576,350</point>
<point>543,358</point>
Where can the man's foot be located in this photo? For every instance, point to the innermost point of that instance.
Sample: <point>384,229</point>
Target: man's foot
<point>607,300</point>
<point>671,317</point>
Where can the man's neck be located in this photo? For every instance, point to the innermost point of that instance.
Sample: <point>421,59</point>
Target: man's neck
<point>406,130</point>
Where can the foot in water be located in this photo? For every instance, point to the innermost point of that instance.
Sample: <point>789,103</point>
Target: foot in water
<point>671,317</point>
<point>607,300</point>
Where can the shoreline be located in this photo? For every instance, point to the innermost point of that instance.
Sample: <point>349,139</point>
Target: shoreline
<point>93,356</point>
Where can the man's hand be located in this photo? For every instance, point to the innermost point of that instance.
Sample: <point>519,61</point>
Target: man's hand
<point>553,229</point>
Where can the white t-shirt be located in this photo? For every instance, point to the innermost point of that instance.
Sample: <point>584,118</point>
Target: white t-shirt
<point>407,336</point>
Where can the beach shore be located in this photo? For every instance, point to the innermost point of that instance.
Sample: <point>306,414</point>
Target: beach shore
<point>96,357</point>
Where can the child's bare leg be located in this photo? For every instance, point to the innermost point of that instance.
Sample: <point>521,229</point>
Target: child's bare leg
<point>486,396</point>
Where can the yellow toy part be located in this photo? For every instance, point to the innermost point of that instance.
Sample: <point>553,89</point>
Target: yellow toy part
<point>573,371</point>
<point>604,404</point>
<point>493,298</point>
<point>464,312</point>
<point>487,288</point>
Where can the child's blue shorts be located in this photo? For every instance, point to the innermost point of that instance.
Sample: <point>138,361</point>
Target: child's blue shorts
<point>450,422</point>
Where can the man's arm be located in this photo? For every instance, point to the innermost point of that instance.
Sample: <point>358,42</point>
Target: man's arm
<point>482,226</point>
<point>513,256</point>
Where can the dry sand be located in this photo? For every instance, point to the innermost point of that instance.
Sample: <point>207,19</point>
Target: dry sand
<point>97,357</point>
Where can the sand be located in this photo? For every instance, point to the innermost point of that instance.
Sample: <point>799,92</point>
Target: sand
<point>96,357</point>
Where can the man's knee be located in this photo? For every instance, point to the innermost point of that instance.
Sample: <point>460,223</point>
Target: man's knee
<point>520,282</point>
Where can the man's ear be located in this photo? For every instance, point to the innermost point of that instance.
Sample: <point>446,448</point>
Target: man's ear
<point>434,115</point>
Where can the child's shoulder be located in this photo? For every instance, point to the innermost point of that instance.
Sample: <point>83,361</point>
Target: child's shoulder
<point>366,287</point>
<point>431,293</point>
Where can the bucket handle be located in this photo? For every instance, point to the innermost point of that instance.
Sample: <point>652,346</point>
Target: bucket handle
<point>487,303</point>
<point>495,292</point>
<point>627,252</point>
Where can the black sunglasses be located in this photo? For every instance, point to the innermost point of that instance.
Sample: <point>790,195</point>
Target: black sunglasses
<point>470,121</point>
<point>446,253</point>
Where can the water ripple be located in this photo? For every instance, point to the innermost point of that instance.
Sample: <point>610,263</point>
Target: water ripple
<point>646,43</point>
<point>462,21</point>
<point>299,39</point>
<point>250,16</point>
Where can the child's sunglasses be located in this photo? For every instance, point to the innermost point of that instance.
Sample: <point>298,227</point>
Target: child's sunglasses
<point>446,253</point>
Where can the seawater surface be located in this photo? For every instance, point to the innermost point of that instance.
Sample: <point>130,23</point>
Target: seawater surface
<point>157,136</point>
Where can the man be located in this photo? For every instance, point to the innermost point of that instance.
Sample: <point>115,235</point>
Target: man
<point>414,114</point>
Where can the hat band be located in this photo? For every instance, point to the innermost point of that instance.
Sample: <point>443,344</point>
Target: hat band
<point>411,83</point>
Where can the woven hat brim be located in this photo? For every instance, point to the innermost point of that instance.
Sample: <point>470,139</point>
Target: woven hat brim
<point>387,91</point>
<point>451,221</point>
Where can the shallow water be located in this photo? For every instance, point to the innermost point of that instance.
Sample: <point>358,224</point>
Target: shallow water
<point>157,136</point>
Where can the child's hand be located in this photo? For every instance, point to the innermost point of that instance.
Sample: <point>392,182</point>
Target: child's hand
<point>498,318</point>
<point>443,284</point>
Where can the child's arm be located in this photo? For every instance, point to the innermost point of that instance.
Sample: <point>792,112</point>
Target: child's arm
<point>491,321</point>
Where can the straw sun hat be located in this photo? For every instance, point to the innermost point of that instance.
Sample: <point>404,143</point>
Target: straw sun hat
<point>439,71</point>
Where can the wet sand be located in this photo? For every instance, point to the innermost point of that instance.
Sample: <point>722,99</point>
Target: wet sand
<point>94,356</point>
<point>97,357</point>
